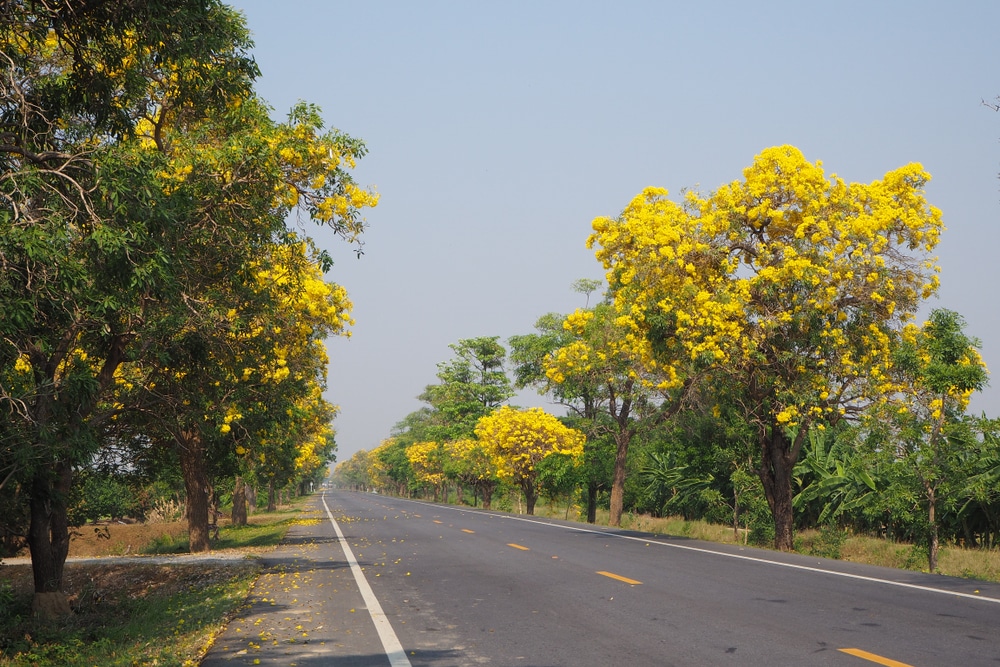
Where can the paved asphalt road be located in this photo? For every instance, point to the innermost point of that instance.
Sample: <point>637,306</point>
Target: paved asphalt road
<point>439,585</point>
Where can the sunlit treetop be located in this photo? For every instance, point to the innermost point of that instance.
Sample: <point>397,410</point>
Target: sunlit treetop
<point>519,439</point>
<point>795,281</point>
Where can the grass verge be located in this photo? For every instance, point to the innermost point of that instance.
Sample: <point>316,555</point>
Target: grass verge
<point>127,612</point>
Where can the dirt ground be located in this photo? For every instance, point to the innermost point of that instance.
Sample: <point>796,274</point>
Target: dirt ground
<point>121,539</point>
<point>89,584</point>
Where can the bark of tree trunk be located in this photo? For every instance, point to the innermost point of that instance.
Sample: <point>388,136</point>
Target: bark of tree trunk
<point>251,492</point>
<point>191,452</point>
<point>618,479</point>
<point>48,539</point>
<point>239,503</point>
<point>592,502</point>
<point>932,547</point>
<point>270,496</point>
<point>778,459</point>
<point>487,496</point>
<point>530,497</point>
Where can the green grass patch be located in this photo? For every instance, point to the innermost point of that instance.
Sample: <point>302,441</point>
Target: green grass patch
<point>133,613</point>
<point>127,615</point>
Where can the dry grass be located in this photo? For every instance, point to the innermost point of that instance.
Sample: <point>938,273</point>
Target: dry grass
<point>953,560</point>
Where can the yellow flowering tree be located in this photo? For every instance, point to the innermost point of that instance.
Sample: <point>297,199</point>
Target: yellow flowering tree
<point>141,176</point>
<point>238,389</point>
<point>610,367</point>
<point>87,241</point>
<point>519,439</point>
<point>789,285</point>
<point>427,461</point>
<point>473,465</point>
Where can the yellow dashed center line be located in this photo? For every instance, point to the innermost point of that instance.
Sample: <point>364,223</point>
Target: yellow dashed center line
<point>871,657</point>
<point>618,577</point>
<point>466,530</point>
<point>436,521</point>
<point>518,546</point>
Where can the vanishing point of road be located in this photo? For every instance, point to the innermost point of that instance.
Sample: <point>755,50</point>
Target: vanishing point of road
<point>367,580</point>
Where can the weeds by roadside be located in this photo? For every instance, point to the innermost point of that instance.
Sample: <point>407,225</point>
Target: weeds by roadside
<point>826,542</point>
<point>124,615</point>
<point>133,613</point>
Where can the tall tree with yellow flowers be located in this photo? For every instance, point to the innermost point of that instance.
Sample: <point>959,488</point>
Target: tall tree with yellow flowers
<point>788,285</point>
<point>140,176</point>
<point>519,439</point>
<point>85,237</point>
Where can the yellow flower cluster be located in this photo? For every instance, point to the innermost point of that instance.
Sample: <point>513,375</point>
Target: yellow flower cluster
<point>426,461</point>
<point>519,439</point>
<point>787,272</point>
<point>472,460</point>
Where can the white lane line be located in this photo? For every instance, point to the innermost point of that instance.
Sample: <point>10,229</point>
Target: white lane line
<point>653,540</point>
<point>390,642</point>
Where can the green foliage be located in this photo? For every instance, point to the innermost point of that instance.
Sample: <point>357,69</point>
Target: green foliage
<point>101,495</point>
<point>834,478</point>
<point>830,542</point>
<point>558,475</point>
<point>676,489</point>
<point>472,385</point>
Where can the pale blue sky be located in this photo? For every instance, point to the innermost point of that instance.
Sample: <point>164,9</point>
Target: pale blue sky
<point>498,130</point>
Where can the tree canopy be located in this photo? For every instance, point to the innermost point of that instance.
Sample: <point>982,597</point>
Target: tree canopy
<point>789,284</point>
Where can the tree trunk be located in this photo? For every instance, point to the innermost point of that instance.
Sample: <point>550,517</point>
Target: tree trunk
<point>487,489</point>
<point>458,494</point>
<point>240,503</point>
<point>48,539</point>
<point>777,462</point>
<point>736,514</point>
<point>270,496</point>
<point>618,479</point>
<point>932,547</point>
<point>251,492</point>
<point>530,496</point>
<point>191,452</point>
<point>592,502</point>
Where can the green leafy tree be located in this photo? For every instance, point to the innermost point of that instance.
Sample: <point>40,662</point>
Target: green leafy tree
<point>518,440</point>
<point>941,368</point>
<point>84,239</point>
<point>472,384</point>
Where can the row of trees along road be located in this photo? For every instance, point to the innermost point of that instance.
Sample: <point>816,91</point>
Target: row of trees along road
<point>772,316</point>
<point>153,300</point>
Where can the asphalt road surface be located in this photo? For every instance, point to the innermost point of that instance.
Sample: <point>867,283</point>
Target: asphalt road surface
<point>425,584</point>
